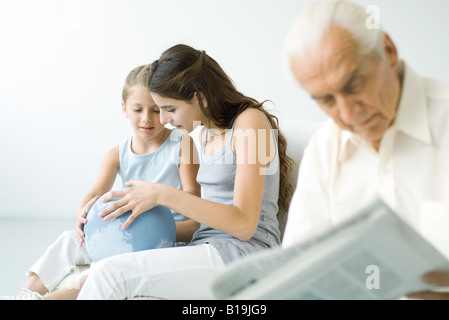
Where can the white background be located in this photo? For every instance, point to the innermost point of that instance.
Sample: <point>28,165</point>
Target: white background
<point>63,64</point>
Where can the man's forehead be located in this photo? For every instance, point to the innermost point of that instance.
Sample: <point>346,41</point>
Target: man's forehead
<point>318,77</point>
<point>333,61</point>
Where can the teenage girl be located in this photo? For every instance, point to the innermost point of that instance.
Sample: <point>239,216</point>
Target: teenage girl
<point>243,175</point>
<point>154,153</point>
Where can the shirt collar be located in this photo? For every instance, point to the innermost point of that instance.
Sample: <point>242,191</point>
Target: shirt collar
<point>412,118</point>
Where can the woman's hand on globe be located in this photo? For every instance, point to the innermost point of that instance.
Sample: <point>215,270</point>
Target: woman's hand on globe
<point>138,199</point>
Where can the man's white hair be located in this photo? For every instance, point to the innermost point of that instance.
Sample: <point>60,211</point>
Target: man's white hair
<point>315,21</point>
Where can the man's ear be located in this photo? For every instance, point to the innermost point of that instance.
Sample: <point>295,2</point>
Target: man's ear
<point>391,52</point>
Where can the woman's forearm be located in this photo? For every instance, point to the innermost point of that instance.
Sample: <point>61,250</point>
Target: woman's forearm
<point>226,218</point>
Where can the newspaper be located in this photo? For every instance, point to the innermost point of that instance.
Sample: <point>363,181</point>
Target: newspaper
<point>373,256</point>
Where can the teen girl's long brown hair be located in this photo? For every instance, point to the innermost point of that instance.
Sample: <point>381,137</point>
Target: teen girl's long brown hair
<point>183,71</point>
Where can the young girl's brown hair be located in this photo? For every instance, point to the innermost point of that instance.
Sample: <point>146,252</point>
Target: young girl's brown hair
<point>183,71</point>
<point>137,76</point>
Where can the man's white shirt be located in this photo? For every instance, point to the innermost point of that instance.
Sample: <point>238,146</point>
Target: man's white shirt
<point>340,174</point>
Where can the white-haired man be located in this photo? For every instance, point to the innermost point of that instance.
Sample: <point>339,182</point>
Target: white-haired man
<point>388,135</point>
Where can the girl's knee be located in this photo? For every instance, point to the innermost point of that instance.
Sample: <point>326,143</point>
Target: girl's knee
<point>68,236</point>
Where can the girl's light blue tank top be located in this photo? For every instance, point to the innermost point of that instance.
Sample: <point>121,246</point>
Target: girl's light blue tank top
<point>159,166</point>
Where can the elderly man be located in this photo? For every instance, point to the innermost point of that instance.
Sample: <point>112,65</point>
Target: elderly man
<point>388,135</point>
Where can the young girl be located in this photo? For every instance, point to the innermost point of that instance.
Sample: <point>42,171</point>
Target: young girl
<point>154,153</point>
<point>243,174</point>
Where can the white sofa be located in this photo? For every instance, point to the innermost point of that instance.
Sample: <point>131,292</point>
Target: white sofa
<point>297,133</point>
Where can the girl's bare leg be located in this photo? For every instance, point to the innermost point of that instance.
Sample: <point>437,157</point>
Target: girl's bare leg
<point>68,293</point>
<point>34,283</point>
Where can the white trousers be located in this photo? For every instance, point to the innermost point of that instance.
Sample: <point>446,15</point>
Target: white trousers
<point>170,273</point>
<point>60,258</point>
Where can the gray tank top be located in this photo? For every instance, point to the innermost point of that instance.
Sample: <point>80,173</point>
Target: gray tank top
<point>216,177</point>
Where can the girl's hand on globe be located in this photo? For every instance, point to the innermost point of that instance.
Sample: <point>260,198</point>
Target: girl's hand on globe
<point>141,197</point>
<point>81,219</point>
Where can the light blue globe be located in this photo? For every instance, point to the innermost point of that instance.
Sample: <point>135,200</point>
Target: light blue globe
<point>152,229</point>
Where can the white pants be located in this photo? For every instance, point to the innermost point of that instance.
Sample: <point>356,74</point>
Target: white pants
<point>60,259</point>
<point>170,273</point>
